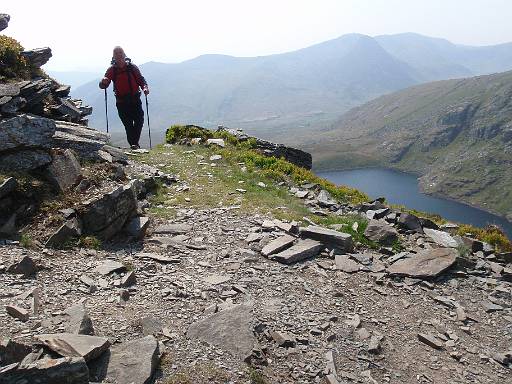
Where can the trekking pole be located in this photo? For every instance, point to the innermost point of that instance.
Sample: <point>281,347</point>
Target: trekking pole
<point>149,126</point>
<point>106,110</point>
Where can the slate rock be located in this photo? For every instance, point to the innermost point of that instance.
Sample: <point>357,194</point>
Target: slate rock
<point>24,266</point>
<point>109,266</point>
<point>137,227</point>
<point>37,57</point>
<point>304,249</point>
<point>17,312</point>
<point>106,216</point>
<point>64,171</point>
<point>77,320</point>
<point>66,370</point>
<point>425,264</point>
<point>25,131</point>
<point>381,232</point>
<point>410,222</point>
<point>8,186</point>
<point>277,245</point>
<point>4,21</point>
<point>342,242</point>
<point>24,160</point>
<point>12,351</point>
<point>230,329</point>
<point>70,229</point>
<point>346,264</point>
<point>72,345</point>
<point>441,238</point>
<point>283,339</point>
<point>430,340</point>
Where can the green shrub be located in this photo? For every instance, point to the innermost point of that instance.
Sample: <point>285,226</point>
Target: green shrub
<point>490,234</point>
<point>12,64</point>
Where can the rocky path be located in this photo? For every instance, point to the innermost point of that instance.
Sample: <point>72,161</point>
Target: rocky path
<point>202,287</point>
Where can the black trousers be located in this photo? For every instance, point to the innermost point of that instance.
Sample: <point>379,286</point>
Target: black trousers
<point>132,116</point>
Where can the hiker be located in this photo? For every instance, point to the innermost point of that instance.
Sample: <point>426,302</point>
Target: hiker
<point>127,81</point>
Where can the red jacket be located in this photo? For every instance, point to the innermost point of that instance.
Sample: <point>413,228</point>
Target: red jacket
<point>126,80</point>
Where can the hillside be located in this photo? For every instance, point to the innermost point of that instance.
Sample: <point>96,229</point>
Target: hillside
<point>219,258</point>
<point>299,91</point>
<point>456,135</point>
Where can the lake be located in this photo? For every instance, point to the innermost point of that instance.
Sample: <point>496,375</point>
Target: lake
<point>402,188</point>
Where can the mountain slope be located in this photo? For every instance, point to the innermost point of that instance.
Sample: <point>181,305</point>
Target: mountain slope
<point>455,134</point>
<point>300,91</point>
<point>315,84</point>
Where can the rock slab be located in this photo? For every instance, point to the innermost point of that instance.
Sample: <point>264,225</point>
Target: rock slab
<point>230,329</point>
<point>426,264</point>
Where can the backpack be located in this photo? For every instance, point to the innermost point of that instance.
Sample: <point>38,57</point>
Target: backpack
<point>129,69</point>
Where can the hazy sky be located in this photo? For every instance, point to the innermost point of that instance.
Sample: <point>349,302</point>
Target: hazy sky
<point>83,33</point>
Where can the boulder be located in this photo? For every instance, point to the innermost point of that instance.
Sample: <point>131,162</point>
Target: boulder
<point>70,229</point>
<point>381,232</point>
<point>67,370</point>
<point>131,362</point>
<point>106,216</point>
<point>441,238</point>
<point>410,222</point>
<point>330,238</point>
<point>72,345</point>
<point>426,264</point>
<point>12,351</point>
<point>24,266</point>
<point>4,21</point>
<point>37,57</point>
<point>230,330</point>
<point>65,170</point>
<point>24,160</point>
<point>11,105</point>
<point>26,131</point>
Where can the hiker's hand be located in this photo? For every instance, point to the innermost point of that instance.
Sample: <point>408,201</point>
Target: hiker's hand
<point>145,90</point>
<point>104,83</point>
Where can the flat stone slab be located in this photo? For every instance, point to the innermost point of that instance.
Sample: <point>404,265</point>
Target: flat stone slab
<point>109,266</point>
<point>426,264</point>
<point>173,229</point>
<point>346,264</point>
<point>441,238</point>
<point>230,329</point>
<point>132,362</point>
<point>78,320</point>
<point>66,370</point>
<point>158,257</point>
<point>71,345</point>
<point>277,245</point>
<point>330,237</point>
<point>304,249</point>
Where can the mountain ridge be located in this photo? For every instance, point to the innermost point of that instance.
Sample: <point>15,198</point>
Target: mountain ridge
<point>300,90</point>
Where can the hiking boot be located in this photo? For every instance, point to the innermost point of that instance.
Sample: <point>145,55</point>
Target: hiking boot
<point>134,147</point>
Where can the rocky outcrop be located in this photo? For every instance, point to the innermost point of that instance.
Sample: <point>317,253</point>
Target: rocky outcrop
<point>4,21</point>
<point>267,148</point>
<point>37,57</point>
